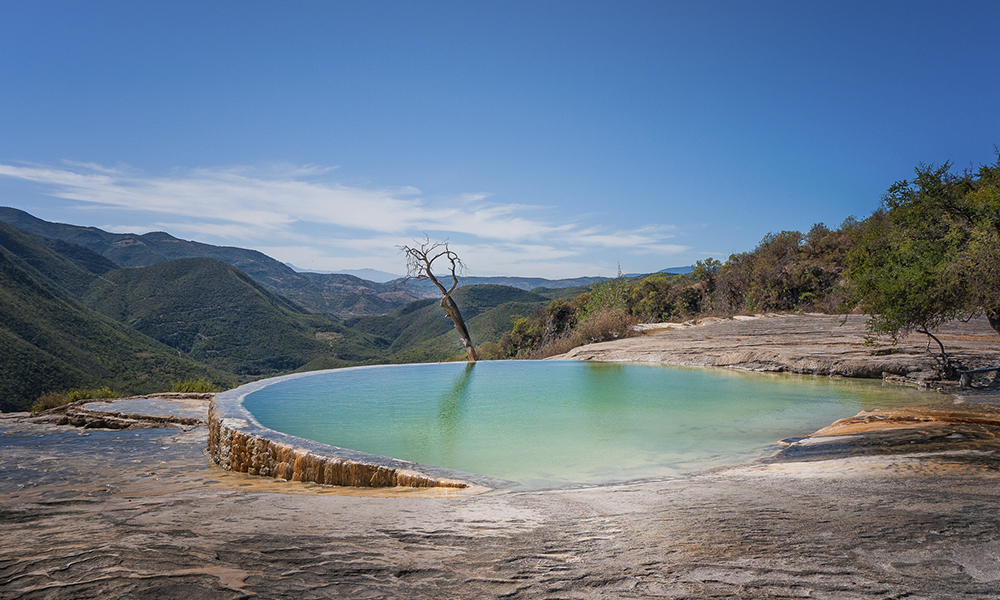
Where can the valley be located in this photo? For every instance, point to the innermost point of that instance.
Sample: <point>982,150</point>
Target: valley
<point>137,313</point>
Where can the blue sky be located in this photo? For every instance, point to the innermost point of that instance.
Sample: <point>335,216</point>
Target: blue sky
<point>542,138</point>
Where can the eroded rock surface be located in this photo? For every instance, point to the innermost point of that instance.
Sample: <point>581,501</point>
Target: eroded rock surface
<point>809,344</point>
<point>137,412</point>
<point>143,514</point>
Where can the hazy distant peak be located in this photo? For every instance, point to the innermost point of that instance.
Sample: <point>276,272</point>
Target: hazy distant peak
<point>371,275</point>
<point>678,270</point>
<point>366,274</point>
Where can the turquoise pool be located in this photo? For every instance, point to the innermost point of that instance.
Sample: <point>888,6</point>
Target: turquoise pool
<point>554,424</point>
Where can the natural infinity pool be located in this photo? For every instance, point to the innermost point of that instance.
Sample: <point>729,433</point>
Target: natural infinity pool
<point>552,424</point>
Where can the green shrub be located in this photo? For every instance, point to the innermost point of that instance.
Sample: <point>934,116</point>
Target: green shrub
<point>55,399</point>
<point>649,299</point>
<point>489,351</point>
<point>609,294</point>
<point>195,386</point>
<point>608,324</point>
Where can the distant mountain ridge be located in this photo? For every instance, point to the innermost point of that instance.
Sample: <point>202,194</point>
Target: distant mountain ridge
<point>367,274</point>
<point>336,294</point>
<point>342,296</point>
<point>678,270</point>
<point>370,274</point>
<point>522,283</point>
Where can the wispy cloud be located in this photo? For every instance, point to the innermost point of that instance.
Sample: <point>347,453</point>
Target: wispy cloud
<point>283,206</point>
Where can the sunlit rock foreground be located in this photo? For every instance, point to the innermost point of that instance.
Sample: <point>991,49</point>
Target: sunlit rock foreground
<point>905,511</point>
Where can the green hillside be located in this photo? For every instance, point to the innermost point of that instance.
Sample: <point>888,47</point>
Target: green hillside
<point>487,326</point>
<point>566,293</point>
<point>214,313</point>
<point>50,342</point>
<point>346,296</point>
<point>57,262</point>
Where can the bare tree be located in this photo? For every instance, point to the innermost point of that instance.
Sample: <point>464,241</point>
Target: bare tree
<point>419,260</point>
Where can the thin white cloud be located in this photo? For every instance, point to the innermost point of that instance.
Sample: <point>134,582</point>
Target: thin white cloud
<point>307,257</point>
<point>280,207</point>
<point>468,197</point>
<point>198,229</point>
<point>668,249</point>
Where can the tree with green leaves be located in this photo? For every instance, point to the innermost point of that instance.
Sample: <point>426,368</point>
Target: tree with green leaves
<point>931,254</point>
<point>419,263</point>
<point>607,295</point>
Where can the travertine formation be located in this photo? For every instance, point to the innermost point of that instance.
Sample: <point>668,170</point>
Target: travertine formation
<point>137,412</point>
<point>914,416</point>
<point>237,442</point>
<point>259,454</point>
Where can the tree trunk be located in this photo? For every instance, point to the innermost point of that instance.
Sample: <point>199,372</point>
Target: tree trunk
<point>418,266</point>
<point>993,316</point>
<point>947,369</point>
<point>451,308</point>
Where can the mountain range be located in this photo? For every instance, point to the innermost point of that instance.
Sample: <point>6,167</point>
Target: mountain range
<point>80,307</point>
<point>322,293</point>
<point>369,274</point>
<point>333,294</point>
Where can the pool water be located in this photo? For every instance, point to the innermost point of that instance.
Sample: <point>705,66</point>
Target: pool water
<point>552,424</point>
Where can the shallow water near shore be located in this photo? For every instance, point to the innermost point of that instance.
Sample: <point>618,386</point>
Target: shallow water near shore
<point>556,424</point>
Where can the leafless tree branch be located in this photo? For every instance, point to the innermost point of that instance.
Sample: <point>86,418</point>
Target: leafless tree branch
<point>419,267</point>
